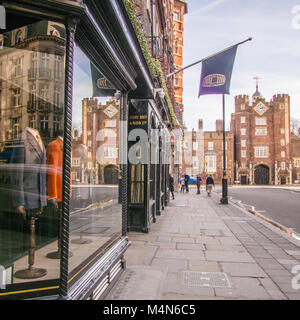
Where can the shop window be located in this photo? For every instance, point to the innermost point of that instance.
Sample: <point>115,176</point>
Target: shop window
<point>30,179</point>
<point>137,183</point>
<point>95,206</point>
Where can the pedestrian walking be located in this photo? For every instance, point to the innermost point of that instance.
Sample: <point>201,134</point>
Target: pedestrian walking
<point>171,185</point>
<point>182,183</point>
<point>199,181</point>
<point>186,180</point>
<point>209,184</point>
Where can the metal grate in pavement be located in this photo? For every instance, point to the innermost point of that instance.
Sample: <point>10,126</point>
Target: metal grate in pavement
<point>205,279</point>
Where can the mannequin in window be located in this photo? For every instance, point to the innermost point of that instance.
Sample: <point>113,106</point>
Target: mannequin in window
<point>54,161</point>
<point>54,156</point>
<point>31,178</point>
<point>29,191</point>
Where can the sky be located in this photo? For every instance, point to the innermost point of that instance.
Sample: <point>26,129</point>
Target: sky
<point>273,55</point>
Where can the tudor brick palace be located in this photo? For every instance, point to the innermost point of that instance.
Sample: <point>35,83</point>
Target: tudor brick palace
<point>260,147</point>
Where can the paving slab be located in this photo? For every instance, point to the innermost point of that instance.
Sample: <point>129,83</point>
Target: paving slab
<point>183,240</point>
<point>272,289</point>
<point>243,269</point>
<point>139,283</point>
<point>173,284</point>
<point>244,288</point>
<point>140,255</point>
<point>224,247</point>
<point>228,240</point>
<point>173,265</point>
<point>230,256</point>
<point>163,239</point>
<point>190,246</point>
<point>269,263</point>
<point>180,254</point>
<point>203,266</point>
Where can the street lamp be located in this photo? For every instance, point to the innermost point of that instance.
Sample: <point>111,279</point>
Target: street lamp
<point>224,199</point>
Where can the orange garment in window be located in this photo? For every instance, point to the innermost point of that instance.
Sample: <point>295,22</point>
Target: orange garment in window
<point>54,161</point>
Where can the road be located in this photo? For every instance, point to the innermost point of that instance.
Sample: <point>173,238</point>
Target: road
<point>280,205</point>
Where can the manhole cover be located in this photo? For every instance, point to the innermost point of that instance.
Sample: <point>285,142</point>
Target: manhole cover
<point>205,279</point>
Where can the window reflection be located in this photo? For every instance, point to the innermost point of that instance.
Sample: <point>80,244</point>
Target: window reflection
<point>95,216</point>
<point>30,121</point>
<point>137,183</point>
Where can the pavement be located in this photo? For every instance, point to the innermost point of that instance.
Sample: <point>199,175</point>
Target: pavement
<point>199,249</point>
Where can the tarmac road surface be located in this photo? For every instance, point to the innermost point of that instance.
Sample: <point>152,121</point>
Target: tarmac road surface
<point>280,205</point>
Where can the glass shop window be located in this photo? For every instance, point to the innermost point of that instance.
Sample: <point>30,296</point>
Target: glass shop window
<point>95,206</point>
<point>30,158</point>
<point>137,183</point>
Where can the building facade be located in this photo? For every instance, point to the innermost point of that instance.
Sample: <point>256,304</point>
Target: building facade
<point>80,229</point>
<point>180,9</point>
<point>203,153</point>
<point>262,139</point>
<point>295,155</point>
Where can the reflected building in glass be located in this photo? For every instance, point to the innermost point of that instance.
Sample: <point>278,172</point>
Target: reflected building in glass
<point>32,71</point>
<point>32,81</point>
<point>100,136</point>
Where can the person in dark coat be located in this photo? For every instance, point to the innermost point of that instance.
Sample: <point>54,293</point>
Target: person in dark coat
<point>171,185</point>
<point>186,180</point>
<point>209,184</point>
<point>199,181</point>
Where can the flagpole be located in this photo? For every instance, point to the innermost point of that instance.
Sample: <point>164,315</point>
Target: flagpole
<point>224,198</point>
<point>192,64</point>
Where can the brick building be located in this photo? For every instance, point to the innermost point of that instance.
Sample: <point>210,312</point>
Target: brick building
<point>98,143</point>
<point>261,147</point>
<point>262,139</point>
<point>180,9</point>
<point>213,153</point>
<point>295,154</point>
<point>203,153</point>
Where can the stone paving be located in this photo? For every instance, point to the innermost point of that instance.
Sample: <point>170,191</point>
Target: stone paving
<point>199,249</point>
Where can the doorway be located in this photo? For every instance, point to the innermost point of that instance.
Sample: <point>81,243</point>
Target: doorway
<point>261,174</point>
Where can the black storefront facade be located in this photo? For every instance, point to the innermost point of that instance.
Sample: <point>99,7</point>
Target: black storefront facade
<point>67,241</point>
